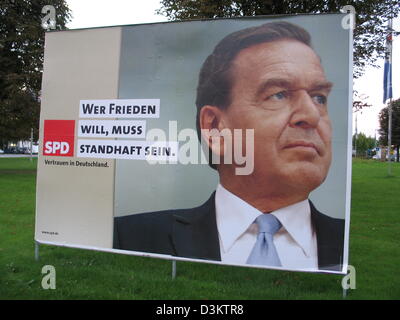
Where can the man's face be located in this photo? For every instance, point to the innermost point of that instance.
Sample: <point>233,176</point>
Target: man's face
<point>280,90</point>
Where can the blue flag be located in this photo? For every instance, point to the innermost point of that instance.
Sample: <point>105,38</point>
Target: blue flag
<point>387,71</point>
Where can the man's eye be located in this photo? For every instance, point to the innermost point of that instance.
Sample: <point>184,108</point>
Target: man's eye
<point>279,96</point>
<point>320,99</point>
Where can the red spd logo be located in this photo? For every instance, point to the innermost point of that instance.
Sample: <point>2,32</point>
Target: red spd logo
<point>59,136</point>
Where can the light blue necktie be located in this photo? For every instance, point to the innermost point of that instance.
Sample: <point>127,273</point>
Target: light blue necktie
<point>264,251</point>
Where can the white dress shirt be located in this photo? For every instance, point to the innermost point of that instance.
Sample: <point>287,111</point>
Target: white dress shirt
<point>295,242</point>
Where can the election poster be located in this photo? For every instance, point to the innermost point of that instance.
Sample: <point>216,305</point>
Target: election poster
<point>223,141</point>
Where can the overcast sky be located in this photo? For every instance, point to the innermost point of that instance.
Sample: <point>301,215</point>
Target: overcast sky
<point>98,13</point>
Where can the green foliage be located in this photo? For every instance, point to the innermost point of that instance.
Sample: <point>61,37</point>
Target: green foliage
<point>371,18</point>
<point>362,144</point>
<point>21,64</point>
<point>384,123</point>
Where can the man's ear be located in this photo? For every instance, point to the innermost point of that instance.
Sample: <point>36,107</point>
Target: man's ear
<point>212,123</point>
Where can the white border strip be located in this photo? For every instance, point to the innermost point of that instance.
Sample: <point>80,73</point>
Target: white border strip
<point>349,157</point>
<point>174,258</point>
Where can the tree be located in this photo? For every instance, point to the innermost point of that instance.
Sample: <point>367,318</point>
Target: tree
<point>21,64</point>
<point>359,101</point>
<point>369,34</point>
<point>363,144</point>
<point>384,123</point>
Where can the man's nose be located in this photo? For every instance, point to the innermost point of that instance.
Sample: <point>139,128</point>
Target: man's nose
<point>306,113</point>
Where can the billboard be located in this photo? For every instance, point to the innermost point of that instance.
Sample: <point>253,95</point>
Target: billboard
<point>220,141</point>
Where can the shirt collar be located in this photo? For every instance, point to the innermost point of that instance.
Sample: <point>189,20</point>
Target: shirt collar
<point>296,219</point>
<point>234,216</point>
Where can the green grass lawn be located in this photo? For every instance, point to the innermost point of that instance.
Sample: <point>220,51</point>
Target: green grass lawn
<point>80,274</point>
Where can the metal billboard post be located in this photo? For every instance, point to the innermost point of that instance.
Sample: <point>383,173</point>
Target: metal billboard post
<point>173,269</point>
<point>36,251</point>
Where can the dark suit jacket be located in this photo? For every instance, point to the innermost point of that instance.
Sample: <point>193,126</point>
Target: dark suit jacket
<point>192,233</point>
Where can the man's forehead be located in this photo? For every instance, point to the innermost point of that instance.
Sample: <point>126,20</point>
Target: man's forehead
<point>286,61</point>
<point>279,51</point>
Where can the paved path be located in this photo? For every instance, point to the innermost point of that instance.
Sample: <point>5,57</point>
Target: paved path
<point>2,155</point>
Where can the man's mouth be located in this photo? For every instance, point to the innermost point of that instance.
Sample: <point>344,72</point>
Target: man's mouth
<point>302,145</point>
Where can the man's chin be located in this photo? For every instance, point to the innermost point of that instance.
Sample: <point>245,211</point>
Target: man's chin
<point>306,175</point>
